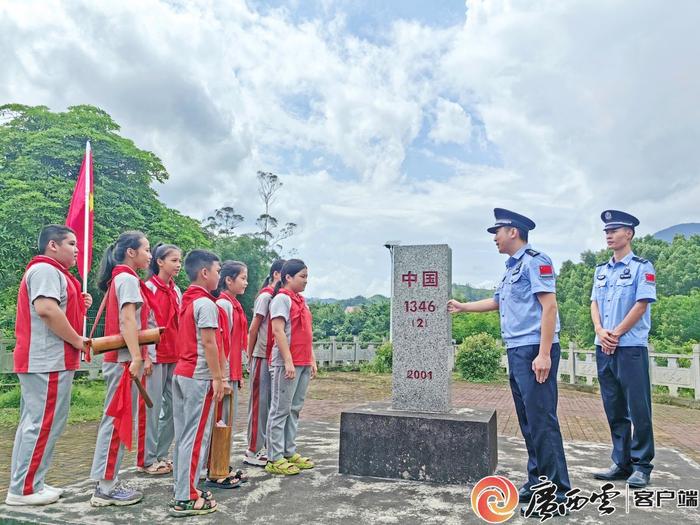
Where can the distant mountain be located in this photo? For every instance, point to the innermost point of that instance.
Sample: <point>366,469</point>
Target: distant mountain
<point>354,301</point>
<point>687,229</point>
<point>458,290</point>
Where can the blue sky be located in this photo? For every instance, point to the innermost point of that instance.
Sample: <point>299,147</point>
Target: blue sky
<point>404,120</point>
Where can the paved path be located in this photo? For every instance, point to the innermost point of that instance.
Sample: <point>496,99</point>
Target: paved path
<point>581,416</point>
<point>324,497</point>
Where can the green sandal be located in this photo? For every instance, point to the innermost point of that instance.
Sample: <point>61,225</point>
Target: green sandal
<point>301,462</point>
<point>281,467</point>
<point>186,507</point>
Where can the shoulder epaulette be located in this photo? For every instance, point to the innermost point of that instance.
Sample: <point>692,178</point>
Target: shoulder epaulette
<point>601,264</point>
<point>531,252</point>
<point>639,260</point>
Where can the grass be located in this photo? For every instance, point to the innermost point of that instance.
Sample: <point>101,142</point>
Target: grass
<point>87,399</point>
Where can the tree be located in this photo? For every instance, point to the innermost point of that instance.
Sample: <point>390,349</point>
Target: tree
<point>268,186</point>
<point>40,155</point>
<point>223,222</point>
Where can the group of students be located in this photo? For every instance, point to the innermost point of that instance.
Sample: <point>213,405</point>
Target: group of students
<point>198,360</point>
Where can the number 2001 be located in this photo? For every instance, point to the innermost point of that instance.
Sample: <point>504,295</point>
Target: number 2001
<point>419,374</point>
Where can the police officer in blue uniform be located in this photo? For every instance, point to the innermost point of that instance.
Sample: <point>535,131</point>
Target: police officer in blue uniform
<point>527,305</point>
<point>623,288</point>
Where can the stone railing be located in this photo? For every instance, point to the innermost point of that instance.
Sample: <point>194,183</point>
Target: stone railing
<point>578,367</point>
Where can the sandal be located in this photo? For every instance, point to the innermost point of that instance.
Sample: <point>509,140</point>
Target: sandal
<point>231,482</point>
<point>301,462</point>
<point>156,469</point>
<point>281,467</point>
<point>189,507</point>
<point>239,475</point>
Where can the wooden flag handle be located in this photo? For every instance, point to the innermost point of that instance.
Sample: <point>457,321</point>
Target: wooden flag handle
<point>142,391</point>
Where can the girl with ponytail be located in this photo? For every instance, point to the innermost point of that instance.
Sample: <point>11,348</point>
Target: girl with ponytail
<point>233,281</point>
<point>129,308</point>
<point>155,425</point>
<point>292,364</point>
<point>259,351</point>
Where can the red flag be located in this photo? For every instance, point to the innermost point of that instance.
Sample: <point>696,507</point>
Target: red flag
<point>80,214</point>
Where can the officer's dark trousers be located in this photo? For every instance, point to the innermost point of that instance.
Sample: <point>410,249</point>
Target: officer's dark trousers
<point>536,406</point>
<point>626,392</point>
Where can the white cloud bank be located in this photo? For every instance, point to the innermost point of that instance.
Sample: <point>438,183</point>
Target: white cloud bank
<point>589,104</point>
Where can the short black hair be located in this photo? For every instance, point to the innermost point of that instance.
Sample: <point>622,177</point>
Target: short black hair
<point>198,259</point>
<point>53,232</point>
<point>522,233</point>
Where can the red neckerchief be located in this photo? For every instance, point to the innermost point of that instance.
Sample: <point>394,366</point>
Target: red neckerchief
<point>168,304</point>
<point>75,307</point>
<point>301,325</point>
<point>187,331</point>
<point>270,335</point>
<point>120,408</point>
<point>112,308</point>
<point>239,336</point>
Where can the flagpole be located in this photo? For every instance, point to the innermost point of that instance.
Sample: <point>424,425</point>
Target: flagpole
<point>86,223</point>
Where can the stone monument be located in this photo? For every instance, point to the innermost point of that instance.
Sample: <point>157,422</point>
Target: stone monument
<point>418,436</point>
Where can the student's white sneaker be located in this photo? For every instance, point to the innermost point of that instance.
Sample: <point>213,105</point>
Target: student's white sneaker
<point>57,490</point>
<point>43,497</point>
<point>257,460</point>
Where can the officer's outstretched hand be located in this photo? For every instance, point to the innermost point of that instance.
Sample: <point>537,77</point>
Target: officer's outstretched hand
<point>541,366</point>
<point>454,306</point>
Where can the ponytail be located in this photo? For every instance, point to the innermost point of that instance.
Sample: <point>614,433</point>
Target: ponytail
<point>291,268</point>
<point>276,267</point>
<point>106,266</point>
<point>115,254</point>
<point>160,252</point>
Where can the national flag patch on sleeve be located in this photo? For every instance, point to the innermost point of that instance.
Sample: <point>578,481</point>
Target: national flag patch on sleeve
<point>546,270</point>
<point>650,278</point>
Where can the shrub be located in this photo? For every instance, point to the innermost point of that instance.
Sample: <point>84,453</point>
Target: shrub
<point>381,364</point>
<point>478,358</point>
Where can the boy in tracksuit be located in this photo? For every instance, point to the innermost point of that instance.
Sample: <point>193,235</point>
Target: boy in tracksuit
<point>197,382</point>
<point>50,312</point>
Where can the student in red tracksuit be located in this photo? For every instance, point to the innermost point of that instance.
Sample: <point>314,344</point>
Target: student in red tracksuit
<point>50,312</point>
<point>233,281</point>
<point>292,366</point>
<point>129,308</point>
<point>198,381</point>
<point>155,425</point>
<point>260,342</point>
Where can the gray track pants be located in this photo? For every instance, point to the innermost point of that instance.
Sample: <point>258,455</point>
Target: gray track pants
<point>192,415</point>
<point>287,401</point>
<point>155,425</point>
<point>259,404</point>
<point>43,412</point>
<point>108,449</point>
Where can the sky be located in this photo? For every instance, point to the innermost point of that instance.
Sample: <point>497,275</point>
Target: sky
<point>388,120</point>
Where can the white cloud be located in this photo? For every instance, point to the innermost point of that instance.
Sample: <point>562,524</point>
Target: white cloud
<point>452,124</point>
<point>590,104</point>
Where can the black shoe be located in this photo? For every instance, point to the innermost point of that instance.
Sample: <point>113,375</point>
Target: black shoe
<point>525,495</point>
<point>638,480</point>
<point>612,474</point>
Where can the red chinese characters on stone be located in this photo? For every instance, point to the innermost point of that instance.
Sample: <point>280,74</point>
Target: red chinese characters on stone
<point>430,279</point>
<point>409,278</point>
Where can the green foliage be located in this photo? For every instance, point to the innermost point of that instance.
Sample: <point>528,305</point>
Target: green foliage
<point>675,322</point>
<point>478,358</point>
<point>369,322</point>
<point>382,362</point>
<point>464,326</point>
<point>40,156</point>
